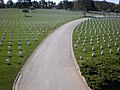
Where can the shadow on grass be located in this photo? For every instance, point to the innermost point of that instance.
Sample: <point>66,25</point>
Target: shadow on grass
<point>89,16</point>
<point>111,86</point>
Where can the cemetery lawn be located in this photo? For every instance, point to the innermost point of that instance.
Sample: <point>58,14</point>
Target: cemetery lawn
<point>96,45</point>
<point>19,36</point>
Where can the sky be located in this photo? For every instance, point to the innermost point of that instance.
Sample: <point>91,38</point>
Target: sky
<point>57,1</point>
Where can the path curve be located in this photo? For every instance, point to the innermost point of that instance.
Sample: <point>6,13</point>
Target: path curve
<point>52,65</point>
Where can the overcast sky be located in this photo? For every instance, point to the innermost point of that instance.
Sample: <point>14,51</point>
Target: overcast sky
<point>57,1</point>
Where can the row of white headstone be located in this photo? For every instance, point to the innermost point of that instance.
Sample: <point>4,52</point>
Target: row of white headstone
<point>109,34</point>
<point>98,39</point>
<point>9,54</point>
<point>101,48</point>
<point>101,52</point>
<point>96,25</point>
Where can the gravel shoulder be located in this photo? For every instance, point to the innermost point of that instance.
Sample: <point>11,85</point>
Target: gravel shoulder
<point>52,66</point>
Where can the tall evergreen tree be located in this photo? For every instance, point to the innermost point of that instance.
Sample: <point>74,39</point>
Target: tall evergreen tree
<point>2,5</point>
<point>60,5</point>
<point>65,4</point>
<point>9,4</point>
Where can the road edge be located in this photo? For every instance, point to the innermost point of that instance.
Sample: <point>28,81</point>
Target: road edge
<point>74,59</point>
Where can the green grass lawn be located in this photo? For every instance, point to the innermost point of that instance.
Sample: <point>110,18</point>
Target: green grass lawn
<point>100,66</point>
<point>17,31</point>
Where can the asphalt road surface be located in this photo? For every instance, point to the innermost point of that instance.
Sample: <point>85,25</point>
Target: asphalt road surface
<point>52,65</point>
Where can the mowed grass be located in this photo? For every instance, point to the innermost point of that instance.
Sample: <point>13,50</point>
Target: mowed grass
<point>102,34</point>
<point>25,34</point>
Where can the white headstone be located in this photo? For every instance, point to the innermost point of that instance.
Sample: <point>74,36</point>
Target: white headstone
<point>97,36</point>
<point>83,44</point>
<point>84,50</point>
<point>80,57</point>
<point>84,41</point>
<point>77,42</point>
<point>39,34</point>
<point>118,49</point>
<point>101,47</point>
<point>104,41</point>
<point>98,42</point>
<point>78,38</point>
<point>97,39</point>
<point>9,48</point>
<point>19,44</point>
<point>35,39</point>
<point>114,36</point>
<point>110,51</point>
<point>28,42</point>
<point>101,52</point>
<point>20,53</point>
<point>91,37</point>
<point>20,48</point>
<point>116,39</point>
<point>10,43</point>
<point>75,45</point>
<point>110,40</point>
<point>115,44</point>
<point>90,43</point>
<point>7,61</point>
<point>103,38</point>
<point>18,62</point>
<point>10,39</point>
<point>0,43</point>
<point>91,40</point>
<point>93,54</point>
<point>9,55</point>
<point>117,33</point>
<point>93,48</point>
<point>108,45</point>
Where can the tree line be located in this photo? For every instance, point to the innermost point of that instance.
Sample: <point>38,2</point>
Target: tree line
<point>85,5</point>
<point>89,5</point>
<point>28,4</point>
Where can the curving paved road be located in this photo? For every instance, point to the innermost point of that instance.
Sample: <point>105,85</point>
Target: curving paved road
<point>52,65</point>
